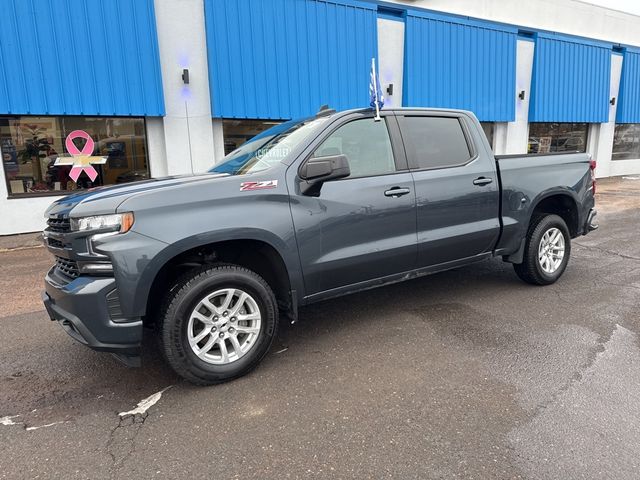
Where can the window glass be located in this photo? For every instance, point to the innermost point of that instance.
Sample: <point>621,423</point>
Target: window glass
<point>488,128</point>
<point>237,132</point>
<point>268,148</point>
<point>366,145</point>
<point>558,137</point>
<point>433,142</point>
<point>35,158</point>
<point>626,141</point>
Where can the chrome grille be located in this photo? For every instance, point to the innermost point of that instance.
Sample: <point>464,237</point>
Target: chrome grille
<point>67,267</point>
<point>59,224</point>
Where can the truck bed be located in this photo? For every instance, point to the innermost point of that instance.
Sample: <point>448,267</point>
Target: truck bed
<point>527,179</point>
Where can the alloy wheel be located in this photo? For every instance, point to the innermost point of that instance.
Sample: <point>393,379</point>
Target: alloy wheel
<point>224,326</point>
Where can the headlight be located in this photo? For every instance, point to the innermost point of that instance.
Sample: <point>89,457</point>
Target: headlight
<point>121,222</point>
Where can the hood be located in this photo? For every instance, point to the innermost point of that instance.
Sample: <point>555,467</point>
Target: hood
<point>105,200</point>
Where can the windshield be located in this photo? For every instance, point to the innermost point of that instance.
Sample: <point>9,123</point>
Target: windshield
<point>268,148</point>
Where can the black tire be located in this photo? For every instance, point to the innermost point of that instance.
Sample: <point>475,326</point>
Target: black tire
<point>530,269</point>
<point>186,295</point>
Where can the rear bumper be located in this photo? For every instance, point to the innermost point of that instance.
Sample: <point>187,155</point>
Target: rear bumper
<point>81,309</point>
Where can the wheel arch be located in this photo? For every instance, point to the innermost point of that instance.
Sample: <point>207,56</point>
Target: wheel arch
<point>561,202</point>
<point>558,202</point>
<point>257,251</point>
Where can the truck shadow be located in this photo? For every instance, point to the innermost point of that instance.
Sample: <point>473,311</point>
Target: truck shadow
<point>61,380</point>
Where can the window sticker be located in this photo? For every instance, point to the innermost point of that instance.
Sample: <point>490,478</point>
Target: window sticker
<point>81,160</point>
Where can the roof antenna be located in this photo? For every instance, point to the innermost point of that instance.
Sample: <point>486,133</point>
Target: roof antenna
<point>324,111</point>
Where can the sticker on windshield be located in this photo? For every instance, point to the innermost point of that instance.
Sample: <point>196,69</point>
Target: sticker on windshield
<point>246,186</point>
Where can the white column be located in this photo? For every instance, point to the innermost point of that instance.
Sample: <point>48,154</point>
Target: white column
<point>157,153</point>
<point>516,134</point>
<point>390,59</point>
<point>600,144</point>
<point>500,138</point>
<point>218,140</point>
<point>188,133</point>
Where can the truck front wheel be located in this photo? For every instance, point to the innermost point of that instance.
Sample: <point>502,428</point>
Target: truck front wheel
<point>547,251</point>
<point>218,323</point>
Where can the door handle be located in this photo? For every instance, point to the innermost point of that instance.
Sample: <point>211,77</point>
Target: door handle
<point>396,192</point>
<point>481,181</point>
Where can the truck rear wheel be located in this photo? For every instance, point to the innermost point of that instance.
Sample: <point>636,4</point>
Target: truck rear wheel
<point>547,251</point>
<point>218,323</point>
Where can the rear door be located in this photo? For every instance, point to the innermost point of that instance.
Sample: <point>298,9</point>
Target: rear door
<point>457,191</point>
<point>362,227</point>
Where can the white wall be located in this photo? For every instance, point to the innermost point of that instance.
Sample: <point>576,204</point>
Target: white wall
<point>21,215</point>
<point>567,16</point>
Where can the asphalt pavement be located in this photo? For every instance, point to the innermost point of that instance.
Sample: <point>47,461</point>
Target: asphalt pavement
<point>464,374</point>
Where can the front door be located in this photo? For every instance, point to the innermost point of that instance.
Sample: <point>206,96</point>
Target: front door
<point>362,227</point>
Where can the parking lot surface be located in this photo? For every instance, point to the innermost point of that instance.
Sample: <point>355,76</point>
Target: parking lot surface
<point>464,374</point>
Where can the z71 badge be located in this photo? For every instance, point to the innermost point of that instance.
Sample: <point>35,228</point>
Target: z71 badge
<point>246,186</point>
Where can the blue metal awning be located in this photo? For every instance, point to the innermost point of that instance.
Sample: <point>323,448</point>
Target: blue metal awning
<point>570,80</point>
<point>628,110</point>
<point>285,58</point>
<point>451,62</point>
<point>79,57</point>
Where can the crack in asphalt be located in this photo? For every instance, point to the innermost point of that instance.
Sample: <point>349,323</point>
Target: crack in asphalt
<point>607,251</point>
<point>121,443</point>
<point>122,438</point>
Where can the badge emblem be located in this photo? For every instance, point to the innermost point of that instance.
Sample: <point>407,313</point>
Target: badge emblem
<point>247,186</point>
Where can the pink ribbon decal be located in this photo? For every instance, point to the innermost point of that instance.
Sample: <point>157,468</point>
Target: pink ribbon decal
<point>81,155</point>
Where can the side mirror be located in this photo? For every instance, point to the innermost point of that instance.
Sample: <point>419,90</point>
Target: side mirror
<point>318,170</point>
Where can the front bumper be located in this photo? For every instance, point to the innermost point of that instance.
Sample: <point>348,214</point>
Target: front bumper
<point>81,308</point>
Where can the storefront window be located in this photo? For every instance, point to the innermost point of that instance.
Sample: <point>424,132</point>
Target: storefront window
<point>558,137</point>
<point>626,141</point>
<point>236,132</point>
<point>30,147</point>
<point>489,129</point>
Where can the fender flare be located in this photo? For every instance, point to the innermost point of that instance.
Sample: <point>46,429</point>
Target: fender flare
<point>518,255</point>
<point>150,273</point>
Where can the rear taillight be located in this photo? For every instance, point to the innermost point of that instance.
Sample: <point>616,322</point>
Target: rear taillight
<point>592,167</point>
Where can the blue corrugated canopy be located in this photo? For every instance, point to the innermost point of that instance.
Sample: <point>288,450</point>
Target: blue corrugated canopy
<point>79,57</point>
<point>283,59</point>
<point>453,62</point>
<point>628,110</point>
<point>570,80</point>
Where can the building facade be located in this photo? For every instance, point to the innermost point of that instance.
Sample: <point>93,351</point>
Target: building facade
<point>167,87</point>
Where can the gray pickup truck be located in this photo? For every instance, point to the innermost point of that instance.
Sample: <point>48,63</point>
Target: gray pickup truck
<point>306,211</point>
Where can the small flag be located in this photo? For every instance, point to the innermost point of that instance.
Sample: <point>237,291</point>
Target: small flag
<point>375,92</point>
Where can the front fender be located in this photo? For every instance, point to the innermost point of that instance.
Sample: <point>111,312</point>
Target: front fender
<point>153,267</point>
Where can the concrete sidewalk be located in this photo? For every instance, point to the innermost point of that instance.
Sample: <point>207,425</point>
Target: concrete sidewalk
<point>25,240</point>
